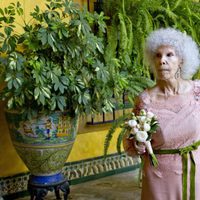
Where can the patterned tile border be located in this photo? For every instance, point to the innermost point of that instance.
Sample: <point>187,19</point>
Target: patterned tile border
<point>76,172</point>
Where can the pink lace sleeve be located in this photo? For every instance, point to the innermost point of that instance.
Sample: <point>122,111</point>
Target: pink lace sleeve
<point>141,102</point>
<point>197,90</point>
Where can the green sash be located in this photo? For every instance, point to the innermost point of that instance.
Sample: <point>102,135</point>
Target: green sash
<point>185,152</point>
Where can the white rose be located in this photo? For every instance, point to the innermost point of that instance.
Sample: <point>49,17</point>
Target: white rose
<point>147,127</point>
<point>132,123</point>
<point>142,118</point>
<point>150,114</point>
<point>141,136</point>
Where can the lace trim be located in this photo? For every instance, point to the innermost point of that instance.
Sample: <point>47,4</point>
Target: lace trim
<point>174,105</point>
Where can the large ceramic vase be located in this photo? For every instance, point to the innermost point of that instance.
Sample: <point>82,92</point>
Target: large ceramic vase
<point>43,143</point>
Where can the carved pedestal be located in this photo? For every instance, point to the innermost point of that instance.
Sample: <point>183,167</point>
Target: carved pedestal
<point>38,191</point>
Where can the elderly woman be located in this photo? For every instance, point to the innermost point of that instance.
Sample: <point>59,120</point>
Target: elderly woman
<point>175,100</point>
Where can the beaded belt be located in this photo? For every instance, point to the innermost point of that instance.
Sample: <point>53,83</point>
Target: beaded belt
<point>185,152</point>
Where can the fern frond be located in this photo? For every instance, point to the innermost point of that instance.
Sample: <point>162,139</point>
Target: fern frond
<point>196,15</point>
<point>177,3</point>
<point>169,14</point>
<point>144,83</point>
<point>129,35</point>
<point>112,38</point>
<point>112,130</point>
<point>120,139</point>
<point>123,33</point>
<point>160,21</point>
<point>148,22</point>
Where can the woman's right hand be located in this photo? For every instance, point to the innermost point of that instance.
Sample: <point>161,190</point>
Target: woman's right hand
<point>139,147</point>
<point>133,148</point>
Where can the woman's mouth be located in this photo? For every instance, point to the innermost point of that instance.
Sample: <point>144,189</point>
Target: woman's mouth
<point>164,70</point>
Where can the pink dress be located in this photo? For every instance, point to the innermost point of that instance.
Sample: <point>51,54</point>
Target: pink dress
<point>179,122</point>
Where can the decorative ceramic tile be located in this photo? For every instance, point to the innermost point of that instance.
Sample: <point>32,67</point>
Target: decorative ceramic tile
<point>55,128</point>
<point>76,172</point>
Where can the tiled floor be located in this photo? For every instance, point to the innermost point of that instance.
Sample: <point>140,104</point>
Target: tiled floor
<point>122,186</point>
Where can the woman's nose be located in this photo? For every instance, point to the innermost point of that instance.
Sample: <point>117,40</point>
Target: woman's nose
<point>163,60</point>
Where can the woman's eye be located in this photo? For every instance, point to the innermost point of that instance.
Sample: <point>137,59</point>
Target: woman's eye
<point>158,55</point>
<point>170,54</point>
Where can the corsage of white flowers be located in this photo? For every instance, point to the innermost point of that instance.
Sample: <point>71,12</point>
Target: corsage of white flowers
<point>141,129</point>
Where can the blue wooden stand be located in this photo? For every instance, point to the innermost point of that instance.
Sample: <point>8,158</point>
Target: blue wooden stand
<point>38,186</point>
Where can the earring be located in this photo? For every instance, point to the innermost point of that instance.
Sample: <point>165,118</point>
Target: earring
<point>178,73</point>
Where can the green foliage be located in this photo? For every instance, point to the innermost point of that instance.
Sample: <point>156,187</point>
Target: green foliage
<point>132,20</point>
<point>56,63</point>
<point>119,52</point>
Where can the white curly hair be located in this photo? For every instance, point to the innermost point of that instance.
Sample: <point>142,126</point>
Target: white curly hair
<point>184,46</point>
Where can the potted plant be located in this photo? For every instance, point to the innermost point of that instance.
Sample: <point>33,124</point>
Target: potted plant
<point>52,74</point>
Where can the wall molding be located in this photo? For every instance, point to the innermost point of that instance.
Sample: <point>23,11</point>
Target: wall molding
<point>77,172</point>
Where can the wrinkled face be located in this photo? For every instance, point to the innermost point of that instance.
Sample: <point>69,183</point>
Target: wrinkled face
<point>166,63</point>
